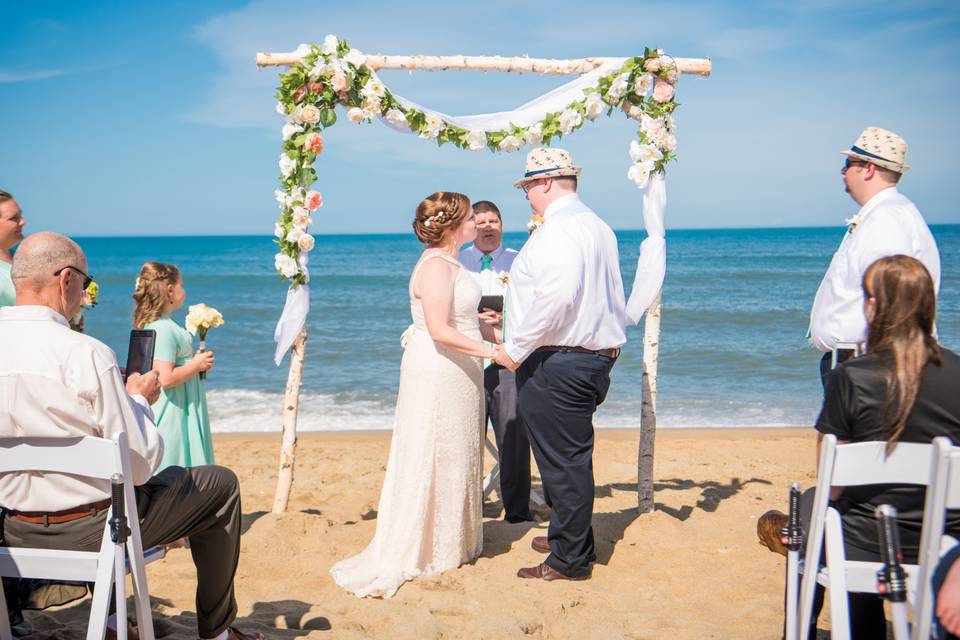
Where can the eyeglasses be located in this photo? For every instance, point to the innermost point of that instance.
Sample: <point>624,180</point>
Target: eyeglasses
<point>853,163</point>
<point>86,279</point>
<point>530,185</point>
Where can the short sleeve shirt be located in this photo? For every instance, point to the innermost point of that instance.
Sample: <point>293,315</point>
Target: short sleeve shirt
<point>853,411</point>
<point>7,295</point>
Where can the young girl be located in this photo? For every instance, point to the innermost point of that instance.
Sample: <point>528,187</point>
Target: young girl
<point>181,411</point>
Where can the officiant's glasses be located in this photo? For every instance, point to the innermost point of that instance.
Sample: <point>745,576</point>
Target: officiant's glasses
<point>853,163</point>
<point>86,279</point>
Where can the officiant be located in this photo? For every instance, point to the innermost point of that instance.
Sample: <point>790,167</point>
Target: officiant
<point>490,263</point>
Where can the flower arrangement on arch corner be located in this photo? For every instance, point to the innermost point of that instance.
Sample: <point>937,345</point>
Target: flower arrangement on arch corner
<point>90,295</point>
<point>200,319</point>
<point>335,74</point>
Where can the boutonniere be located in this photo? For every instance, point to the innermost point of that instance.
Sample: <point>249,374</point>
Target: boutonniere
<point>536,221</point>
<point>504,278</point>
<point>853,222</point>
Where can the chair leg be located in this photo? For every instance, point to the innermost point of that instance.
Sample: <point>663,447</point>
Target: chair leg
<point>5,632</point>
<point>141,594</point>
<point>100,607</point>
<point>839,611</point>
<point>793,575</point>
<point>120,590</point>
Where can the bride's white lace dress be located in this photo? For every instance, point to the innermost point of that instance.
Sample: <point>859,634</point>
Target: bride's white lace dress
<point>430,514</point>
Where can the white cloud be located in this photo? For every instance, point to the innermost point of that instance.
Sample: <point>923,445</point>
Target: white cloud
<point>29,76</point>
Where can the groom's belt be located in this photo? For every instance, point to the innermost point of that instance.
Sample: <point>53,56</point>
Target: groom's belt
<point>609,353</point>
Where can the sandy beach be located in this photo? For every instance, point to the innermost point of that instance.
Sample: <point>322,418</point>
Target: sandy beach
<point>692,569</point>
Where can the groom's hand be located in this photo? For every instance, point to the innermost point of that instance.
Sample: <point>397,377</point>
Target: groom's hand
<point>501,358</point>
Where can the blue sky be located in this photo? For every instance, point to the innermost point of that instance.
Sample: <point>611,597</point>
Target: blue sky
<point>141,118</point>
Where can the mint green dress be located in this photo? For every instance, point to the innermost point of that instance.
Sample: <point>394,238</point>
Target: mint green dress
<point>7,295</point>
<point>181,411</point>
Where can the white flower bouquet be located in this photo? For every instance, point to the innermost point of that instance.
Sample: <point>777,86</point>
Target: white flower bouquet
<point>201,318</point>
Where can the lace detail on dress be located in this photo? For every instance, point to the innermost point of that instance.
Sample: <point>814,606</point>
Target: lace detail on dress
<point>429,518</point>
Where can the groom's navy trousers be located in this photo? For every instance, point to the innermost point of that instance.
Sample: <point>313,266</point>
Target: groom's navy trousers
<point>558,393</point>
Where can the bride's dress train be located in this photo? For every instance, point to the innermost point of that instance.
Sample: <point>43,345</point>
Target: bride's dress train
<point>430,514</point>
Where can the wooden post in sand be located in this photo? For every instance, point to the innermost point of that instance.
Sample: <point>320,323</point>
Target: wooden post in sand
<point>291,407</point>
<point>648,412</point>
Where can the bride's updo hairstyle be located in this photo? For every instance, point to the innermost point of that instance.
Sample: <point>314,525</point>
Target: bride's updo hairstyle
<point>151,291</point>
<point>438,212</point>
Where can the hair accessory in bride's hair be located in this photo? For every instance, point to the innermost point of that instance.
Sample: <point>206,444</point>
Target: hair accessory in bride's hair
<point>136,283</point>
<point>439,216</point>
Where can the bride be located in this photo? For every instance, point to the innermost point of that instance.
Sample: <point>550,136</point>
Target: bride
<point>429,519</point>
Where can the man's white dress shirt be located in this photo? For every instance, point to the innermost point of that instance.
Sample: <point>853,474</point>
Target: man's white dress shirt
<point>57,383</point>
<point>501,259</point>
<point>565,287</point>
<point>888,224</point>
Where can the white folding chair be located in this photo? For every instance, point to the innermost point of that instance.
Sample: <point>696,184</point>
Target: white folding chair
<point>93,458</point>
<point>491,482</point>
<point>943,494</point>
<point>857,464</point>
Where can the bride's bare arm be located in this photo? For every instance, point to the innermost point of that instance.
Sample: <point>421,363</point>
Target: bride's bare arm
<point>434,287</point>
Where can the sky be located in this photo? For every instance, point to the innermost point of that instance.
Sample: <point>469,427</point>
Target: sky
<point>140,118</point>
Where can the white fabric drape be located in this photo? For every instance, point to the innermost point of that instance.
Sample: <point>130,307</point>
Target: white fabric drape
<point>651,266</point>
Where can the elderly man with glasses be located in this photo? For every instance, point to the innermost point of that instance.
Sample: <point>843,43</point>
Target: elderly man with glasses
<point>57,383</point>
<point>888,223</point>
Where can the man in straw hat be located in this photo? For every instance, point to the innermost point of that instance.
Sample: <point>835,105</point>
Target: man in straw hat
<point>565,317</point>
<point>888,223</point>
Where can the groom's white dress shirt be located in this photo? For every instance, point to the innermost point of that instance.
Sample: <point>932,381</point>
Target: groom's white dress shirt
<point>501,259</point>
<point>57,383</point>
<point>887,224</point>
<point>565,287</point>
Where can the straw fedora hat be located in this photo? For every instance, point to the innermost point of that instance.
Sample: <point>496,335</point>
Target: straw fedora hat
<point>545,162</point>
<point>882,148</point>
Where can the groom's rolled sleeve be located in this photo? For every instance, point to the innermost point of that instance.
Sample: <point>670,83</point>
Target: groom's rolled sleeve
<point>557,266</point>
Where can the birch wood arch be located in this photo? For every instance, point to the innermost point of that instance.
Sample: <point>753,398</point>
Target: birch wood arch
<point>322,77</point>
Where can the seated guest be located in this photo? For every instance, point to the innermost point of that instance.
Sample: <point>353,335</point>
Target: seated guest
<point>55,382</point>
<point>903,390</point>
<point>946,586</point>
<point>11,233</point>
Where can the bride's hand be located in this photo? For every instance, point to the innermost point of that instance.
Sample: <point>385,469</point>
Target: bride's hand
<point>491,317</point>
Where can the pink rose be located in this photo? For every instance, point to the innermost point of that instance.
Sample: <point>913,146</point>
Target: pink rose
<point>338,82</point>
<point>305,242</point>
<point>313,200</point>
<point>662,91</point>
<point>310,114</point>
<point>314,142</point>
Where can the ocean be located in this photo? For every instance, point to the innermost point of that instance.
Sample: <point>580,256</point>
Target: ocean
<point>733,351</point>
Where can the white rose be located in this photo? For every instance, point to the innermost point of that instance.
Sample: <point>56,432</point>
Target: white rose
<point>330,44</point>
<point>305,242</point>
<point>301,217</point>
<point>434,126</point>
<point>289,130</point>
<point>355,114</point>
<point>619,86</point>
<point>287,165</point>
<point>534,134</point>
<point>640,173</point>
<point>670,142</point>
<point>644,152</point>
<point>653,127</point>
<point>371,107</point>
<point>286,265</point>
<point>396,117</point>
<point>294,234</point>
<point>281,109</point>
<point>476,140</point>
<point>355,58</point>
<point>594,106</point>
<point>297,193</point>
<point>277,230</point>
<point>309,114</point>
<point>373,88</point>
<point>281,197</point>
<point>570,119</point>
<point>641,86</point>
<point>510,143</point>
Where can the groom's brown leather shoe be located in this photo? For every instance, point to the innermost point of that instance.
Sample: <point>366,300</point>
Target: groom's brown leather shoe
<point>543,571</point>
<point>541,544</point>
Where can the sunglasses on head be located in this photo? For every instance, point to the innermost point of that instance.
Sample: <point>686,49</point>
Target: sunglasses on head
<point>86,279</point>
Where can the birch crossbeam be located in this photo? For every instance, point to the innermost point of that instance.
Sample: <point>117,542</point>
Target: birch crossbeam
<point>521,64</point>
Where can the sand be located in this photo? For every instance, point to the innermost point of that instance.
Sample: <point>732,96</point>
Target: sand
<point>691,569</point>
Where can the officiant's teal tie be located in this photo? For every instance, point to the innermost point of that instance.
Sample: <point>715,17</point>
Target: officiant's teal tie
<point>485,263</point>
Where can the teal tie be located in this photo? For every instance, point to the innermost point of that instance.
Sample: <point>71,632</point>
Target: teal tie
<point>485,263</point>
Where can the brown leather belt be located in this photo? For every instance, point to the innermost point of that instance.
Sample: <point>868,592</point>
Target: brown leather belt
<point>609,353</point>
<point>59,517</point>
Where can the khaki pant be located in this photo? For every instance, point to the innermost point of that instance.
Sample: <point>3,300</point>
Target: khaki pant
<point>202,504</point>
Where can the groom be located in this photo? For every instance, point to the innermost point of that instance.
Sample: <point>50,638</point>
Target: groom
<point>565,318</point>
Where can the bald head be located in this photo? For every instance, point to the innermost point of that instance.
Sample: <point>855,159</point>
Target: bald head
<point>40,255</point>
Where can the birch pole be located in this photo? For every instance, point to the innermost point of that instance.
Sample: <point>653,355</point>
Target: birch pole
<point>291,408</point>
<point>519,64</point>
<point>648,412</point>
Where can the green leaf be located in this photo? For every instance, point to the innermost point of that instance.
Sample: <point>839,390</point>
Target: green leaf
<point>328,117</point>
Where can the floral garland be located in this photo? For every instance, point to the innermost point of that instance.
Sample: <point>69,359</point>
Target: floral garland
<point>335,74</point>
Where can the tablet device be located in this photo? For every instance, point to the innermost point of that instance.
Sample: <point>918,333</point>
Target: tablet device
<point>140,353</point>
<point>491,302</point>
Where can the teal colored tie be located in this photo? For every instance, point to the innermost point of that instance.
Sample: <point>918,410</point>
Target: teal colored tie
<point>485,263</point>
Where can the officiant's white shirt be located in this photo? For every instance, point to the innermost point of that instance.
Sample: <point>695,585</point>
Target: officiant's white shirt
<point>565,287</point>
<point>490,280</point>
<point>889,224</point>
